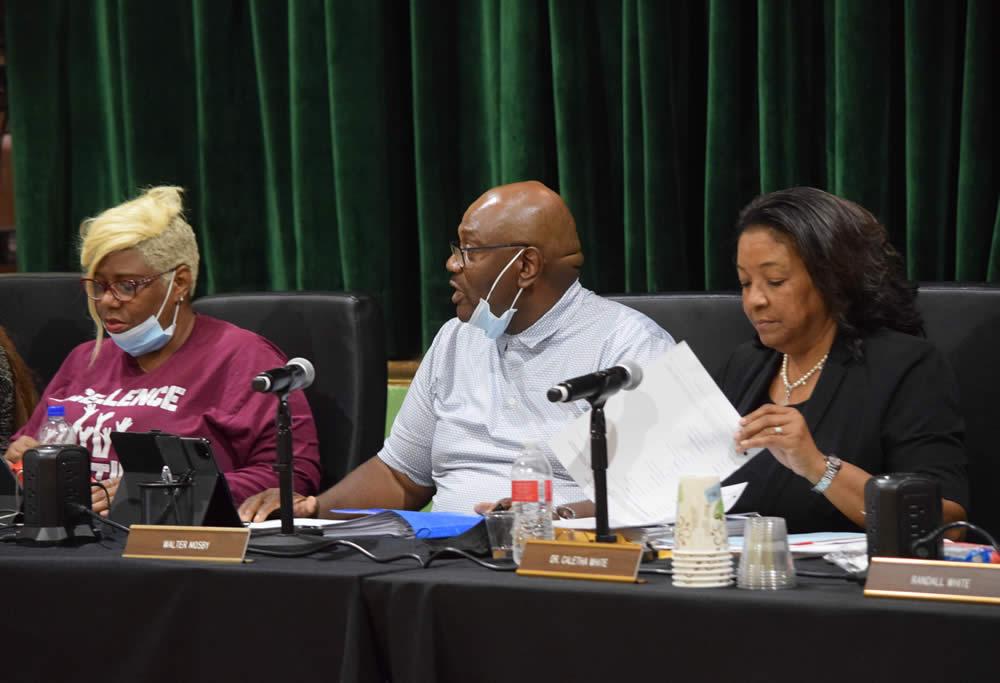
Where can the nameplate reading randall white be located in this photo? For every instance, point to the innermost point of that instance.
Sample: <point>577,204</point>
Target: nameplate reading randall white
<point>574,560</point>
<point>205,543</point>
<point>902,577</point>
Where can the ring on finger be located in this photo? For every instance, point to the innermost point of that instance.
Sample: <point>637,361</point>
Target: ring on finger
<point>778,430</point>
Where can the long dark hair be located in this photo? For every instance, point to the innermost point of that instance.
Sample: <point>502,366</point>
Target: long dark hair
<point>25,393</point>
<point>849,258</point>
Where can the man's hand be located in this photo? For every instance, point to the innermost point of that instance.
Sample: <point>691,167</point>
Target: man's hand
<point>483,508</point>
<point>99,501</point>
<point>257,507</point>
<point>15,452</point>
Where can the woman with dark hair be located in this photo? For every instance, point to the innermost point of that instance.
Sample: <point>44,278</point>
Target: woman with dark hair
<point>18,394</point>
<point>837,386</point>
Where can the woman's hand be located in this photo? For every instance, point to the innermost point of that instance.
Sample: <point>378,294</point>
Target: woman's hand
<point>784,432</point>
<point>15,451</point>
<point>100,502</point>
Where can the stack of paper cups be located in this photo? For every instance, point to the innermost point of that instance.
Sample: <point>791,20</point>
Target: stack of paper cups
<point>701,545</point>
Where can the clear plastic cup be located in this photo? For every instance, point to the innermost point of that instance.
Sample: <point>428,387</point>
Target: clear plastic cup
<point>499,527</point>
<point>766,562</point>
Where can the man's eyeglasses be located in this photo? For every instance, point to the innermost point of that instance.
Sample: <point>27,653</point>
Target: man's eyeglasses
<point>461,253</point>
<point>123,290</point>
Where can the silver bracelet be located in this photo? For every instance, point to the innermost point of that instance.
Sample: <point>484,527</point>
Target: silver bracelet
<point>833,464</point>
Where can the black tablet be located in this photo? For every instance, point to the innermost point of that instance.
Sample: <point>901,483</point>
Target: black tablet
<point>204,498</point>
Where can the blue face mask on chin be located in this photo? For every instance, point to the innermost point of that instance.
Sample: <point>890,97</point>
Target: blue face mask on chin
<point>148,335</point>
<point>483,318</point>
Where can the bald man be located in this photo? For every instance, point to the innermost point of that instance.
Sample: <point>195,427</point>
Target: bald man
<point>524,323</point>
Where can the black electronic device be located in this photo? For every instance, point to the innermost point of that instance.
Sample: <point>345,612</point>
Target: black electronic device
<point>900,509</point>
<point>197,495</point>
<point>56,495</point>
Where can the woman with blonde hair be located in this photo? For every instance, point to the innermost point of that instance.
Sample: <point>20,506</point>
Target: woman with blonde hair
<point>166,367</point>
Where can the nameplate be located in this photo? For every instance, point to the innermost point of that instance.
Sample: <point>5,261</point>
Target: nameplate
<point>573,560</point>
<point>206,543</point>
<point>902,577</point>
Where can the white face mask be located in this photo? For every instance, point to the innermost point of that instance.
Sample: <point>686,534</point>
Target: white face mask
<point>483,318</point>
<point>148,335</point>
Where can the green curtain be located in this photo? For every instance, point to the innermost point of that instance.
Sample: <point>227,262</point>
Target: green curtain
<point>334,144</point>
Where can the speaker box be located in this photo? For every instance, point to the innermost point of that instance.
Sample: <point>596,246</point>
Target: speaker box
<point>899,509</point>
<point>54,478</point>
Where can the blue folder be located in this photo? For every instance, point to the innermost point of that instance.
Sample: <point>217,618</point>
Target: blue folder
<point>428,524</point>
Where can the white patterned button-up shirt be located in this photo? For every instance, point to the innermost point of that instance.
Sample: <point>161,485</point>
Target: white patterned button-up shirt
<point>475,401</point>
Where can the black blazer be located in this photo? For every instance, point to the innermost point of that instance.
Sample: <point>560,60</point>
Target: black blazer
<point>896,410</point>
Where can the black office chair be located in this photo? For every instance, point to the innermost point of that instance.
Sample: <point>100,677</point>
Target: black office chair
<point>342,334</point>
<point>712,323</point>
<point>964,322</point>
<point>45,315</point>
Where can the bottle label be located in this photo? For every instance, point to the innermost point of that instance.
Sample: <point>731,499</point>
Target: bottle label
<point>527,491</point>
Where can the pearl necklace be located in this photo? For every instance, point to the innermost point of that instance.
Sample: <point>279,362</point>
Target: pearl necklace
<point>789,388</point>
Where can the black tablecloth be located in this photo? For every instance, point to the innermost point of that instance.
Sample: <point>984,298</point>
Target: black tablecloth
<point>82,614</point>
<point>460,623</point>
<point>86,613</point>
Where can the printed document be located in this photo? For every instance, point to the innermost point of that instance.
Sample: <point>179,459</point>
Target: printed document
<point>676,422</point>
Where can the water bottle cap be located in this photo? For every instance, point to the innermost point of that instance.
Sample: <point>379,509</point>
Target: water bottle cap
<point>56,411</point>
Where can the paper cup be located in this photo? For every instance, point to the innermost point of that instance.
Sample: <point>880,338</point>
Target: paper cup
<point>701,516</point>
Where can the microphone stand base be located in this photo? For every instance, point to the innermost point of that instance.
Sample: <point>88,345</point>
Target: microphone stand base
<point>302,539</point>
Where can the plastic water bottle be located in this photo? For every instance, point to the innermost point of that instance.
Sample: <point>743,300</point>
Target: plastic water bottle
<point>531,497</point>
<point>56,430</point>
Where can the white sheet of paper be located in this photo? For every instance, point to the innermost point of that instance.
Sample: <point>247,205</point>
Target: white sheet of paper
<point>299,521</point>
<point>676,422</point>
<point>730,494</point>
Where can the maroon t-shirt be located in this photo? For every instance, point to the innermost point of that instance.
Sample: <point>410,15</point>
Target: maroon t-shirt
<point>202,390</point>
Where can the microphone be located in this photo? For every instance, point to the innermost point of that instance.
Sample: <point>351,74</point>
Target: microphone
<point>298,374</point>
<point>601,383</point>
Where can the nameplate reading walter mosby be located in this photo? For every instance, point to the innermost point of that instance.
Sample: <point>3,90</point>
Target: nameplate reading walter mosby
<point>574,560</point>
<point>205,543</point>
<point>900,577</point>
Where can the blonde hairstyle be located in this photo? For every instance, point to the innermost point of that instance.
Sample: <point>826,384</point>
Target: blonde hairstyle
<point>152,223</point>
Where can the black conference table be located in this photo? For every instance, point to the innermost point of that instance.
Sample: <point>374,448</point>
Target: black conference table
<point>85,613</point>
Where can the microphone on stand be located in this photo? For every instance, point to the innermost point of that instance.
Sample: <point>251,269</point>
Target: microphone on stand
<point>298,374</point>
<point>596,388</point>
<point>626,376</point>
<point>288,540</point>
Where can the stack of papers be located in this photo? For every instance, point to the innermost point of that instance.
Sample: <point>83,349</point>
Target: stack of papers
<point>819,543</point>
<point>676,422</point>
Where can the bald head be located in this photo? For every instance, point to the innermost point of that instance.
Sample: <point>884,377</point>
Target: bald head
<point>529,213</point>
